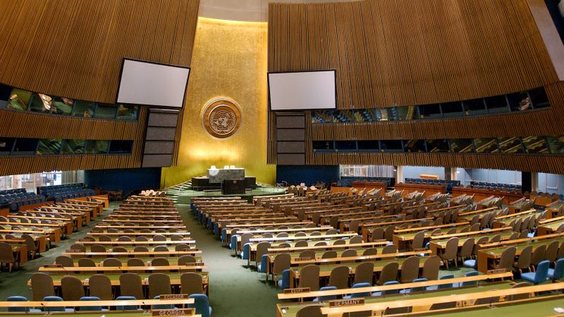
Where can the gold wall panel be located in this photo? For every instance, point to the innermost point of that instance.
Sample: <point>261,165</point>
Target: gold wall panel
<point>229,59</point>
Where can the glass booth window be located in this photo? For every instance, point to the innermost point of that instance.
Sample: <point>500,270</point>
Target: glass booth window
<point>6,145</point>
<point>462,146</point>
<point>84,109</point>
<point>486,145</point>
<point>127,112</point>
<point>97,147</point>
<point>535,144</point>
<point>19,99</point>
<point>25,146</point>
<point>74,147</point>
<point>556,145</point>
<point>49,146</point>
<point>511,145</point>
<point>105,111</point>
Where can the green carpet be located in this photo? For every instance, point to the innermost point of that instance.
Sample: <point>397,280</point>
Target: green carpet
<point>234,289</point>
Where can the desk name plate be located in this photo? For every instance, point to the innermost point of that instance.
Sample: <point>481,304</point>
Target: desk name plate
<point>346,302</point>
<point>174,312</point>
<point>297,290</point>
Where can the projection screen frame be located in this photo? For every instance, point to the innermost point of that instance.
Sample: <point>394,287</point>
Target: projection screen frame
<point>301,71</point>
<point>156,63</point>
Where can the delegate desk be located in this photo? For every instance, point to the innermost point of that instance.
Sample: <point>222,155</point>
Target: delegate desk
<point>459,298</point>
<point>53,231</point>
<point>550,226</point>
<point>366,227</point>
<point>404,237</point>
<point>98,257</point>
<point>116,235</point>
<point>137,243</point>
<point>437,244</point>
<point>325,269</point>
<point>67,222</point>
<point>504,221</point>
<point>19,248</point>
<point>489,254</point>
<point>39,237</point>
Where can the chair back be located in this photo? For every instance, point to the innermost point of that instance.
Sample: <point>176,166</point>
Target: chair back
<point>418,240</point>
<point>541,273</point>
<point>355,239</point>
<point>339,277</point>
<point>310,311</point>
<point>309,277</point>
<point>364,273</point>
<point>467,248</point>
<point>377,234</point>
<point>159,262</point>
<point>389,273</point>
<point>524,260</point>
<point>348,253</point>
<point>77,247</point>
<point>507,259</point>
<point>191,283</point>
<point>100,286</point>
<point>86,262</point>
<point>370,251</point>
<point>329,255</point>
<point>71,288</point>
<point>262,249</point>
<point>431,267</point>
<point>159,283</point>
<point>41,286</point>
<point>552,251</point>
<point>17,299</point>
<point>201,304</point>
<point>97,248</point>
<point>281,262</point>
<point>135,262</point>
<point>307,254</point>
<point>64,261</point>
<point>538,255</point>
<point>161,248</point>
<point>409,269</point>
<point>159,237</point>
<point>339,242</point>
<point>451,249</point>
<point>186,259</point>
<point>389,249</point>
<point>130,285</point>
<point>558,272</point>
<point>301,243</point>
<point>111,262</point>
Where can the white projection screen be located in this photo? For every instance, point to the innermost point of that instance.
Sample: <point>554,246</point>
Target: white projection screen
<point>302,90</point>
<point>152,84</point>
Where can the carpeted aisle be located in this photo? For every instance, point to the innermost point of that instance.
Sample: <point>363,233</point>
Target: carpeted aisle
<point>234,290</point>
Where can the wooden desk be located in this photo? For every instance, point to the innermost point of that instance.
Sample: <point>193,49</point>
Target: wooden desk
<point>39,237</point>
<point>488,256</point>
<point>549,226</point>
<point>438,243</point>
<point>403,237</point>
<point>19,248</point>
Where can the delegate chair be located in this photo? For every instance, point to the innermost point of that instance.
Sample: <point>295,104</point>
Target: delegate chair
<point>72,288</point>
<point>507,259</point>
<point>41,286</point>
<point>191,283</point>
<point>202,305</point>
<point>159,283</point>
<point>339,277</point>
<point>130,285</point>
<point>558,272</point>
<point>389,273</point>
<point>7,256</point>
<point>135,262</point>
<point>100,286</point>
<point>363,273</point>
<point>310,311</point>
<point>64,261</point>
<point>540,275</point>
<point>86,262</point>
<point>524,260</point>
<point>309,277</point>
<point>431,267</point>
<point>111,262</point>
<point>159,262</point>
<point>409,269</point>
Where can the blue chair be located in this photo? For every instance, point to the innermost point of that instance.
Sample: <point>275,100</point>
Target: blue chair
<point>202,305</point>
<point>326,298</point>
<point>246,251</point>
<point>442,286</point>
<point>90,308</point>
<point>357,295</point>
<point>471,273</point>
<point>415,289</point>
<point>262,265</point>
<point>558,272</point>
<point>396,291</point>
<point>233,242</point>
<point>126,307</point>
<point>54,299</point>
<point>17,299</point>
<point>284,282</point>
<point>540,275</point>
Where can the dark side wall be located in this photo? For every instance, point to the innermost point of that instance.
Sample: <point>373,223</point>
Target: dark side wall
<point>310,175</point>
<point>126,180</point>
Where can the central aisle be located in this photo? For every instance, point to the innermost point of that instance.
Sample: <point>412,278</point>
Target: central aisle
<point>234,290</point>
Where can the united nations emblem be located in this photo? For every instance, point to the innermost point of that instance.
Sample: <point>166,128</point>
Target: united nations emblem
<point>221,117</point>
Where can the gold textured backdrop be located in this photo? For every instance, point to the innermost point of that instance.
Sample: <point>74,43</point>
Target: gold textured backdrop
<point>230,60</point>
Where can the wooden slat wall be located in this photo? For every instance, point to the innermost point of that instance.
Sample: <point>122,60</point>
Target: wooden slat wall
<point>43,126</point>
<point>74,48</point>
<point>533,163</point>
<point>409,52</point>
